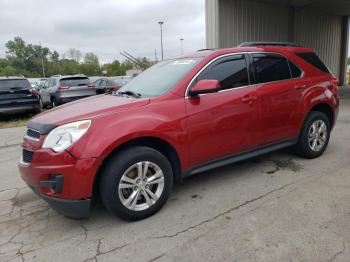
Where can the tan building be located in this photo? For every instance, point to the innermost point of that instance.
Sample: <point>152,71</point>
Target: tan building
<point>320,24</point>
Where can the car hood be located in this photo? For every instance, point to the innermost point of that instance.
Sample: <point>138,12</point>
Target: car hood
<point>88,108</point>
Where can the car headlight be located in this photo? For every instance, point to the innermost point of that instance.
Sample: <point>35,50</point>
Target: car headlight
<point>66,135</point>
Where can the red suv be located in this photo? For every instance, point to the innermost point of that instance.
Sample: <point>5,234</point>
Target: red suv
<point>180,117</point>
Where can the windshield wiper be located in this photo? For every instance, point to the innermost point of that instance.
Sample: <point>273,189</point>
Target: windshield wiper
<point>130,93</point>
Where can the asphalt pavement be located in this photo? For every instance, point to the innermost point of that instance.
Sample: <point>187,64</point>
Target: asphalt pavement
<point>276,207</point>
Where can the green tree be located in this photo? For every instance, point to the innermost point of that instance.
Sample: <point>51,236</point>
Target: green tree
<point>18,53</point>
<point>9,71</point>
<point>74,54</point>
<point>55,56</point>
<point>146,62</point>
<point>91,58</point>
<point>26,59</point>
<point>91,65</point>
<point>17,48</point>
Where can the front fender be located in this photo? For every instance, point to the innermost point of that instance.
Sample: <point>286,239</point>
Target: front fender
<point>109,132</point>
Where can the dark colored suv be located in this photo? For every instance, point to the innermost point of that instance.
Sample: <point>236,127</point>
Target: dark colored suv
<point>178,118</point>
<point>17,96</point>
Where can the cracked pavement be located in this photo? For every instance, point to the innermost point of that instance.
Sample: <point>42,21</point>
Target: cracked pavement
<point>276,207</point>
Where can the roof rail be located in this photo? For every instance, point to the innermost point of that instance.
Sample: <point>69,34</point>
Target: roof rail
<point>6,76</point>
<point>252,44</point>
<point>205,49</point>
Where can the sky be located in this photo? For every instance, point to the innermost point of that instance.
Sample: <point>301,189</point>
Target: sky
<point>105,27</point>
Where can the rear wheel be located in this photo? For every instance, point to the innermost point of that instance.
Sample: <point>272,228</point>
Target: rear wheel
<point>314,136</point>
<point>136,183</point>
<point>54,102</point>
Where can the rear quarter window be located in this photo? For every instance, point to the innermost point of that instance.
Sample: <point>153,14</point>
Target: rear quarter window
<point>314,60</point>
<point>295,71</point>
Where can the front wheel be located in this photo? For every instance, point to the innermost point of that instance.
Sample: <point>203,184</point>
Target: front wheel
<point>41,103</point>
<point>314,136</point>
<point>136,183</point>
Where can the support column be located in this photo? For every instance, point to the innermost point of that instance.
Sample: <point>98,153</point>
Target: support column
<point>212,23</point>
<point>344,51</point>
<point>291,24</point>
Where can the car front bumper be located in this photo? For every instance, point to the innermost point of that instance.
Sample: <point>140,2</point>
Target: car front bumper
<point>18,109</point>
<point>71,194</point>
<point>76,209</point>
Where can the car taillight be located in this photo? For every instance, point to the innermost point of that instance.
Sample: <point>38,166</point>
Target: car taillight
<point>63,87</point>
<point>33,91</point>
<point>90,85</point>
<point>115,88</point>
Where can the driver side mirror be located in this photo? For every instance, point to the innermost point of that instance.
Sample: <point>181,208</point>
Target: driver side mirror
<point>205,87</point>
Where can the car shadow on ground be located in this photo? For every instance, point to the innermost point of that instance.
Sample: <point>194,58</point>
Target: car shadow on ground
<point>192,186</point>
<point>14,120</point>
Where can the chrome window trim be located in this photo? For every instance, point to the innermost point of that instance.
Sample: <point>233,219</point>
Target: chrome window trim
<point>242,53</point>
<point>22,162</point>
<point>32,138</point>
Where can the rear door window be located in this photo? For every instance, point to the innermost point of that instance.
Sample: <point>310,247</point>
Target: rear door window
<point>270,68</point>
<point>314,60</point>
<point>14,84</point>
<point>97,83</point>
<point>75,81</point>
<point>230,71</point>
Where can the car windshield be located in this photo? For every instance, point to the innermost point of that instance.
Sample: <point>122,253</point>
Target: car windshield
<point>160,78</point>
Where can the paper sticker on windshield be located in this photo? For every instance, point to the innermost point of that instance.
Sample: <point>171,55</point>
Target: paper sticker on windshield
<point>183,62</point>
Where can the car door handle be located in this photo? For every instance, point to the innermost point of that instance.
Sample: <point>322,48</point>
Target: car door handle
<point>249,99</point>
<point>300,87</point>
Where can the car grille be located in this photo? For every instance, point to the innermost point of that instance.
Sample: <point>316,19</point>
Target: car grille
<point>27,156</point>
<point>33,133</point>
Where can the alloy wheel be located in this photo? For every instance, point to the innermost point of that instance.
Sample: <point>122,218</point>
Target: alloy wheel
<point>141,185</point>
<point>318,135</point>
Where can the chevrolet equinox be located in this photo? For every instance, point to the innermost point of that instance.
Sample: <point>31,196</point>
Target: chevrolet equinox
<point>178,118</point>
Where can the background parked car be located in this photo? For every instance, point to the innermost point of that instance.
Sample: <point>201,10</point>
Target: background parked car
<point>64,89</point>
<point>17,95</point>
<point>94,78</point>
<point>121,80</point>
<point>106,85</point>
<point>43,93</point>
<point>33,81</point>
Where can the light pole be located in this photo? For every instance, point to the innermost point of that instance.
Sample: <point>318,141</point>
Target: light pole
<point>161,38</point>
<point>182,49</point>
<point>42,59</point>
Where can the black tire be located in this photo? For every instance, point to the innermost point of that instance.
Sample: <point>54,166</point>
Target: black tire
<point>303,147</point>
<point>54,102</point>
<point>42,106</point>
<point>113,171</point>
<point>39,109</point>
